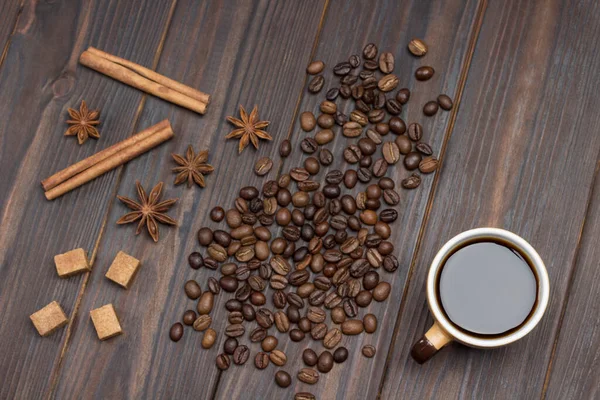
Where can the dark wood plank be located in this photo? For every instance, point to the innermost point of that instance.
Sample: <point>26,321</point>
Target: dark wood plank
<point>574,368</point>
<point>242,53</point>
<point>40,78</point>
<point>11,11</point>
<point>448,29</point>
<point>522,157</point>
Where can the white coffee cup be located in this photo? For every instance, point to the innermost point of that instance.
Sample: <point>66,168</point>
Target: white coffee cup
<point>445,331</point>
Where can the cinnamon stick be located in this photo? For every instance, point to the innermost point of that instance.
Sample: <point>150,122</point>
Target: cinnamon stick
<point>111,162</point>
<point>84,164</point>
<point>138,78</point>
<point>154,76</point>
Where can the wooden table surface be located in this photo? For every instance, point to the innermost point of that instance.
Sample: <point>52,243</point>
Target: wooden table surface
<point>520,151</point>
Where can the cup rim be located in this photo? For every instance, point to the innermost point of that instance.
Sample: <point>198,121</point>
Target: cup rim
<point>478,341</point>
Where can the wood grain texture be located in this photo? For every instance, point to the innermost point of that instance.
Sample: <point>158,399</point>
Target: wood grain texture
<point>9,17</point>
<point>241,53</point>
<point>574,369</point>
<point>522,157</point>
<point>447,28</point>
<point>39,80</point>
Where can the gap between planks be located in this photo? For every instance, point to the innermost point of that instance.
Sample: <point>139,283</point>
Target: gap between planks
<point>570,281</point>
<point>12,33</point>
<point>448,134</point>
<point>55,375</point>
<point>290,130</point>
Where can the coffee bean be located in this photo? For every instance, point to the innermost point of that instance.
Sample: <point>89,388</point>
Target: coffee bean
<point>205,237</point>
<point>364,74</point>
<point>309,357</point>
<point>351,129</point>
<point>397,125</point>
<point>364,175</point>
<point>393,106</point>
<point>332,94</point>
<point>412,160</point>
<point>325,362</point>
<point>233,305</point>
<point>340,355</point>
<point>388,83</point>
<point>278,357</point>
<point>205,304</point>
<point>350,179</point>
<point>370,65</point>
<point>315,67</point>
<point>325,121</point>
<point>352,154</point>
<point>363,298</point>
<point>295,300</point>
<point>403,143</point>
<point>244,292</point>
<point>368,351</point>
<point>332,338</point>
<point>370,51</point>
<point>235,330</point>
<point>391,152</point>
<point>391,197</point>
<point>325,156</point>
<point>202,322</point>
<point>304,396</point>
<point>196,260</point>
<point>357,93</point>
<point>261,360</point>
<point>382,291</point>
<point>283,379</point>
<point>386,62</point>
<point>241,355</point>
<point>352,327</point>
<point>265,318</point>
<point>309,145</point>
<point>403,96</point>
<point>248,312</point>
<point>340,118</point>
<point>424,73</point>
<point>296,335</point>
<point>316,314</point>
<point>376,116</point>
<point>430,108</point>
<point>328,107</point>
<point>316,84</point>
<point>370,323</point>
<point>189,317</point>
<point>222,362</point>
<point>257,335</point>
<point>417,47</point>
<point>318,331</point>
<point>308,375</point>
<point>345,91</point>
<point>428,165</point>
<point>217,214</point>
<point>445,102</point>
<point>350,307</point>
<point>192,289</point>
<point>176,332</point>
<point>263,166</point>
<point>228,284</point>
<point>342,68</point>
<point>269,343</point>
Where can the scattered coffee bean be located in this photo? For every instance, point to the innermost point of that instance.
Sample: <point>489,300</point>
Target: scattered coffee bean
<point>308,375</point>
<point>209,338</point>
<point>278,358</point>
<point>352,327</point>
<point>403,96</point>
<point>340,355</point>
<point>196,260</point>
<point>263,166</point>
<point>388,83</point>
<point>176,332</point>
<point>316,84</point>
<point>412,160</point>
<point>370,51</point>
<point>368,351</point>
<point>241,355</point>
<point>332,94</point>
<point>223,362</point>
<point>325,362</point>
<point>285,148</point>
<point>445,102</point>
<point>386,62</point>
<point>428,165</point>
<point>283,379</point>
<point>304,396</point>
<point>417,47</point>
<point>315,67</point>
<point>261,360</point>
<point>192,289</point>
<point>430,108</point>
<point>424,73</point>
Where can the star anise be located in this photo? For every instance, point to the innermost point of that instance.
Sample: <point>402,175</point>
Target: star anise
<point>83,123</point>
<point>249,128</point>
<point>149,211</point>
<point>192,168</point>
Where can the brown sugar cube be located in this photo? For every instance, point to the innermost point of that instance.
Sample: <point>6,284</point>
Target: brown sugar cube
<point>71,263</point>
<point>106,322</point>
<point>123,269</point>
<point>49,319</point>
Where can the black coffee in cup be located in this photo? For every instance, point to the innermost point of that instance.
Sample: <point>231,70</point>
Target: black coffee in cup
<point>487,287</point>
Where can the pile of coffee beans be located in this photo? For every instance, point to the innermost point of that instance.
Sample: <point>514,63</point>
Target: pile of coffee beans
<point>320,245</point>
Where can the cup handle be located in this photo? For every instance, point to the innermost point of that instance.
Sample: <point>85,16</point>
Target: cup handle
<point>430,343</point>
